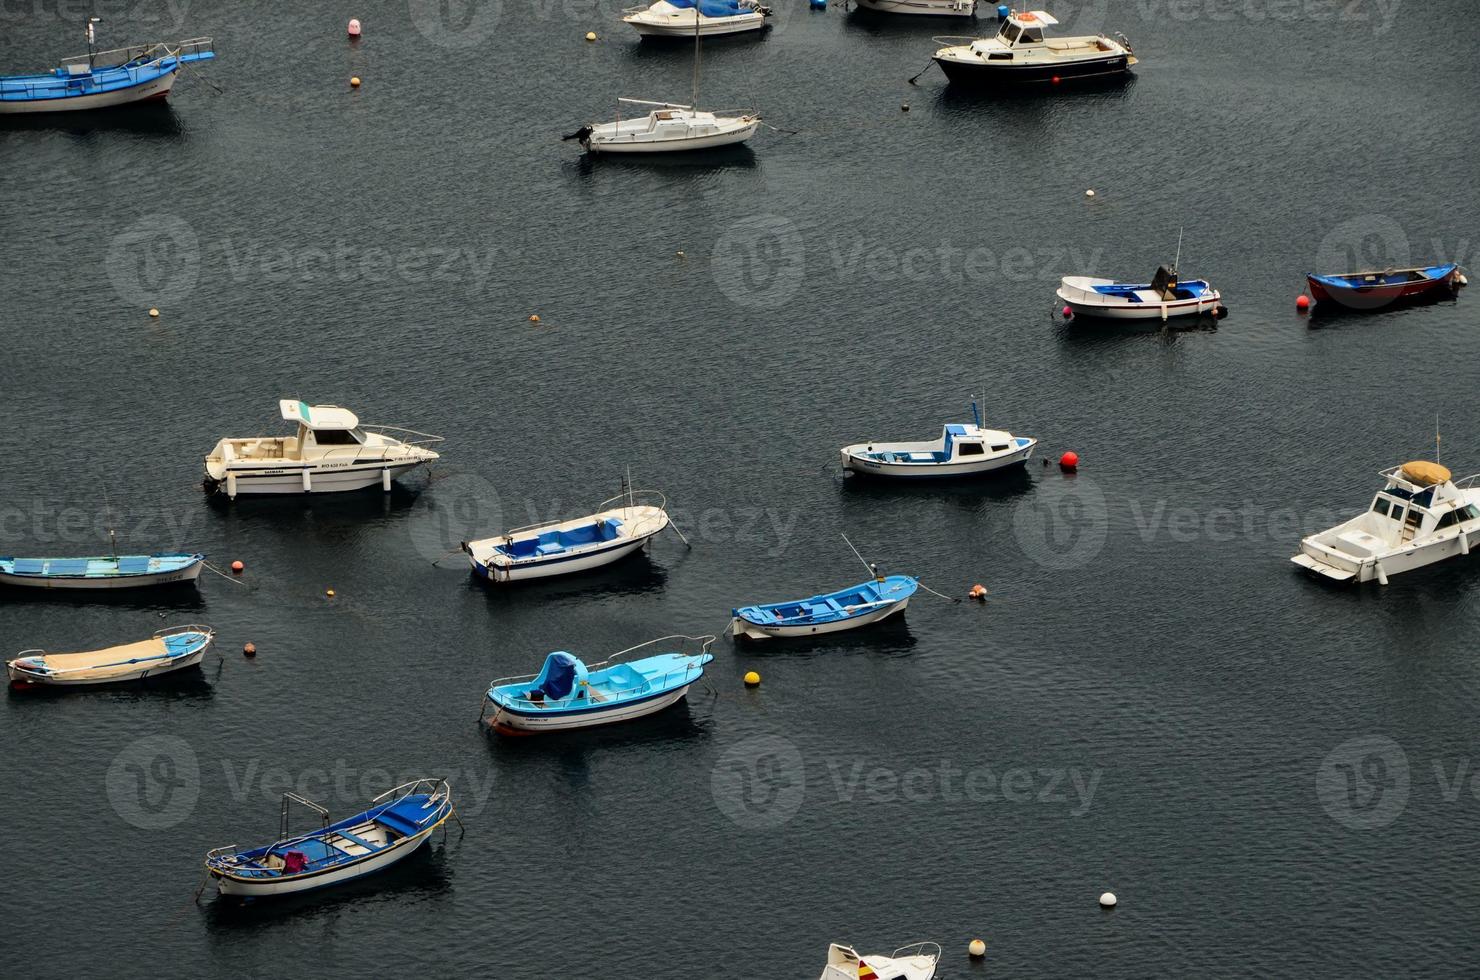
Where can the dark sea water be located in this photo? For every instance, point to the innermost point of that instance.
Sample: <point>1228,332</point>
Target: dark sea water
<point>1276,777</point>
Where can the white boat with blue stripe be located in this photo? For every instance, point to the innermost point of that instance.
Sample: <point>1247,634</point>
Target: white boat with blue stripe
<point>106,572</point>
<point>858,605</point>
<point>568,694</point>
<point>619,527</point>
<point>169,650</point>
<point>962,450</point>
<point>1164,297</point>
<point>103,79</point>
<point>398,823</point>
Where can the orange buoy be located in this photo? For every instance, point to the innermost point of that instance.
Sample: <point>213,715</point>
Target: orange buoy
<point>534,318</point>
<point>354,82</point>
<point>1069,461</point>
<point>237,566</point>
<point>250,650</point>
<point>1302,302</point>
<point>329,593</point>
<point>978,592</point>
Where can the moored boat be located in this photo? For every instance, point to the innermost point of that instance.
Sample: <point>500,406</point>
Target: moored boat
<point>1021,55</point>
<point>331,452</point>
<point>1420,516</point>
<point>858,605</point>
<point>567,694</point>
<point>962,450</point>
<point>169,650</point>
<point>667,127</point>
<point>921,8</point>
<point>711,18</point>
<point>399,821</point>
<point>618,527</point>
<point>103,79</point>
<point>105,572</point>
<point>1164,297</point>
<point>915,962</point>
<point>1367,291</point>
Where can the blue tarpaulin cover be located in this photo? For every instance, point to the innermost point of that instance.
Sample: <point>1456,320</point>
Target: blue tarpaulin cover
<point>558,676</point>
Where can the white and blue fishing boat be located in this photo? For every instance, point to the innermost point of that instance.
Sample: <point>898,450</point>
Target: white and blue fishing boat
<point>568,694</point>
<point>107,572</point>
<point>846,609</point>
<point>169,650</point>
<point>962,450</point>
<point>103,79</point>
<point>393,828</point>
<point>619,527</point>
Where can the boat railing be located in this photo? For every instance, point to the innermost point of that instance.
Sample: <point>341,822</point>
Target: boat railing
<point>437,789</point>
<point>384,453</point>
<point>139,56</point>
<point>627,498</point>
<point>918,949</point>
<point>704,642</point>
<point>1465,483</point>
<point>201,628</point>
<point>951,39</point>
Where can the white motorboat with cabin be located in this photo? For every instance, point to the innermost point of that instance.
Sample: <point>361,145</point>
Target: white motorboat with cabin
<point>1020,54</point>
<point>1420,516</point>
<point>331,452</point>
<point>921,8</point>
<point>963,449</point>
<point>916,962</point>
<point>711,18</point>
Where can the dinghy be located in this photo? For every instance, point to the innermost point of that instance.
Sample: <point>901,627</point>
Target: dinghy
<point>1163,298</point>
<point>169,650</point>
<point>568,694</point>
<point>110,572</point>
<point>398,823</point>
<point>845,609</point>
<point>677,18</point>
<point>332,452</point>
<point>103,79</point>
<point>921,8</point>
<point>1379,290</point>
<point>1020,55</point>
<point>915,962</point>
<point>962,450</point>
<point>619,527</point>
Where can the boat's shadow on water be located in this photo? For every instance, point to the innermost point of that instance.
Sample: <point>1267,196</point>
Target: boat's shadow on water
<point>888,638</point>
<point>1326,316</point>
<point>191,684</point>
<point>1095,332</point>
<point>295,511</point>
<point>1024,103</point>
<point>421,876</point>
<point>145,119</point>
<point>689,720</point>
<point>631,576</point>
<point>682,164</point>
<point>174,597</point>
<point>868,492</point>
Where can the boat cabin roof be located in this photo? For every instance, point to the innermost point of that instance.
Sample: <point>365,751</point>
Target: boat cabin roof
<point>1032,18</point>
<point>328,417</point>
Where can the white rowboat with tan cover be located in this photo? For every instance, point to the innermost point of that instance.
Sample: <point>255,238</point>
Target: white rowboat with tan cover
<point>169,650</point>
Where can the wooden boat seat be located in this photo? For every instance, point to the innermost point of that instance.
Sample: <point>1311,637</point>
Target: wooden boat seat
<point>367,845</point>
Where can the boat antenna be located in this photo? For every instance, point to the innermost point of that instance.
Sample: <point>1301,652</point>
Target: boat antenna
<point>1177,262</point>
<point>1436,438</point>
<point>108,514</point>
<point>873,570</point>
<point>976,413</point>
<point>92,41</point>
<point>629,492</point>
<point>694,107</point>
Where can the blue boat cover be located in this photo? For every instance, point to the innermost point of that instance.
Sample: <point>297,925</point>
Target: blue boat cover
<point>558,676</point>
<point>720,8</point>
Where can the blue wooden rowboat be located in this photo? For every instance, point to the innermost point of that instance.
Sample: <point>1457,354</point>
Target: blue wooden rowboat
<point>400,821</point>
<point>845,609</point>
<point>568,694</point>
<point>109,572</point>
<point>1378,290</point>
<point>103,79</point>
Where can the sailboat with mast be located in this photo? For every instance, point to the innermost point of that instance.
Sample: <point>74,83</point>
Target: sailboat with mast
<point>668,127</point>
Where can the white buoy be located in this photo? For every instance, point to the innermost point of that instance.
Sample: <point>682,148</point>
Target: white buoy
<point>1089,193</point>
<point>1381,575</point>
<point>977,949</point>
<point>1464,543</point>
<point>1463,279</point>
<point>231,486</point>
<point>307,482</point>
<point>1107,900</point>
<point>385,479</point>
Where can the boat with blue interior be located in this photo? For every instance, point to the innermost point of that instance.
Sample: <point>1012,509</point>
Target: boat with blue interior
<point>102,572</point>
<point>399,821</point>
<point>709,18</point>
<point>1021,55</point>
<point>846,609</point>
<point>168,650</point>
<point>1367,291</point>
<point>1163,298</point>
<point>619,527</point>
<point>103,79</point>
<point>963,449</point>
<point>568,694</point>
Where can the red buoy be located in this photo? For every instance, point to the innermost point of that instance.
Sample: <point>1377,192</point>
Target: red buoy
<point>237,567</point>
<point>1056,79</point>
<point>1302,302</point>
<point>1069,461</point>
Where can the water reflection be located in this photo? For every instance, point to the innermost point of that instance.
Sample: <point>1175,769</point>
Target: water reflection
<point>631,576</point>
<point>889,638</point>
<point>145,119</point>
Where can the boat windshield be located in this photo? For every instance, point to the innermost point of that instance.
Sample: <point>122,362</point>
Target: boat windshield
<point>1012,33</point>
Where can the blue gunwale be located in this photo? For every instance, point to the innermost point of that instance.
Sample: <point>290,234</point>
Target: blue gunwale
<point>100,567</point>
<point>832,607</point>
<point>1397,277</point>
<point>637,681</point>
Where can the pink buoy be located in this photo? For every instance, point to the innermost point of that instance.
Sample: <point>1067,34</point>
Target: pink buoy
<point>1068,312</point>
<point>354,27</point>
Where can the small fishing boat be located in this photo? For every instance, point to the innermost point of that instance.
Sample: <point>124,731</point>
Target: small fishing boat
<point>567,694</point>
<point>169,650</point>
<point>1379,290</point>
<point>921,8</point>
<point>1420,516</point>
<point>1020,54</point>
<point>962,450</point>
<point>103,79</point>
<point>398,822</point>
<point>1163,298</point>
<point>846,609</point>
<point>619,527</point>
<point>108,572</point>
<point>331,452</point>
<point>677,18</point>
<point>916,962</point>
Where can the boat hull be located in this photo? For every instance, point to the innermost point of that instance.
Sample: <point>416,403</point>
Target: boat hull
<point>510,722</point>
<point>1004,75</point>
<point>744,628</point>
<point>1318,561</point>
<point>921,8</point>
<point>155,88</point>
<point>281,480</point>
<point>1372,298</point>
<point>156,669</point>
<point>918,471</point>
<point>708,142</point>
<point>82,583</point>
<point>708,27</point>
<point>227,884</point>
<point>564,565</point>
<point>1143,311</point>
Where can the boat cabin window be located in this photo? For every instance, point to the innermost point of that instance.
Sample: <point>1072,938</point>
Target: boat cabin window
<point>1380,506</point>
<point>999,449</point>
<point>1031,35</point>
<point>1009,32</point>
<point>335,437</point>
<point>1468,512</point>
<point>971,449</point>
<point>1415,517</point>
<point>1448,520</point>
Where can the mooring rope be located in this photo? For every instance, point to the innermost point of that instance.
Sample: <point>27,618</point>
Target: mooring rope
<point>233,581</point>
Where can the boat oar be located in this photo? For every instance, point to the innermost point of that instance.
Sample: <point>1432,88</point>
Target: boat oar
<point>680,534</point>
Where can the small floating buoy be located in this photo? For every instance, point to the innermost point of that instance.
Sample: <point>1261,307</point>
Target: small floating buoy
<point>1069,461</point>
<point>904,107</point>
<point>1089,193</point>
<point>354,27</point>
<point>590,35</point>
<point>534,318</point>
<point>977,949</point>
<point>250,650</point>
<point>680,254</point>
<point>1068,313</point>
<point>752,679</point>
<point>978,592</point>
<point>153,312</point>
<point>237,566</point>
<point>329,593</point>
<point>1003,11</point>
<point>1302,302</point>
<point>354,82</point>
<point>1107,900</point>
<point>1463,280</point>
